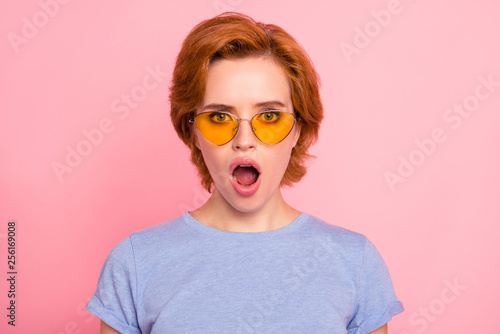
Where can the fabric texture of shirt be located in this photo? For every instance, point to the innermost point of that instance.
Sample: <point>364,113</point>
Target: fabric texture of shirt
<point>182,276</point>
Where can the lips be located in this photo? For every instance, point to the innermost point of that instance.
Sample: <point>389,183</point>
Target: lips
<point>245,176</point>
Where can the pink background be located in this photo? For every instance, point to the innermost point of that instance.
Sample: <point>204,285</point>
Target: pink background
<point>67,74</point>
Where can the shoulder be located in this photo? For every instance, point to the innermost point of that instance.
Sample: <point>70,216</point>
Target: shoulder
<point>164,233</point>
<point>331,228</point>
<point>344,248</point>
<point>337,235</point>
<point>165,241</point>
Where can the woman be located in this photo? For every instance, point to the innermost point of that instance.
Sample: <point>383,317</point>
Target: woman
<point>245,99</point>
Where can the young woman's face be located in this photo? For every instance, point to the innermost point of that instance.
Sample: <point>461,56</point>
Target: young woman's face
<point>245,87</point>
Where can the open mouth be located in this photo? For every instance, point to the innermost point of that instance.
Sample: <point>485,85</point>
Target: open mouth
<point>245,175</point>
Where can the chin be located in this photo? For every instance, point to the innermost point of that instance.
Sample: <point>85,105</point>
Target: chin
<point>246,205</point>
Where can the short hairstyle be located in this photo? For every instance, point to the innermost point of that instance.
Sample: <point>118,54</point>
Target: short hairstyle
<point>232,36</point>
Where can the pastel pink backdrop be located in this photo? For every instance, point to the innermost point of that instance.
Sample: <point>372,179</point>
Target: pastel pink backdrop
<point>65,72</point>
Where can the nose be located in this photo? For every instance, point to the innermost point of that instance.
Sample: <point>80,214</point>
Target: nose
<point>244,139</point>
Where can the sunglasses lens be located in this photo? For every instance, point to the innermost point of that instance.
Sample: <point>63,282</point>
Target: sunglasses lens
<point>273,126</point>
<point>270,127</point>
<point>217,127</point>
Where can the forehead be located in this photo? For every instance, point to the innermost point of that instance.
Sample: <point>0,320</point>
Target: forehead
<point>245,82</point>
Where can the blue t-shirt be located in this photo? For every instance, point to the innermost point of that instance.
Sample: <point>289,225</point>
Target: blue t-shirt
<point>182,276</point>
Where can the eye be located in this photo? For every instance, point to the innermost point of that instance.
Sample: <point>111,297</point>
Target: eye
<point>270,116</point>
<point>219,117</point>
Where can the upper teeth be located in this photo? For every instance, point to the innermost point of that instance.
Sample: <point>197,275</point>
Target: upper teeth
<point>246,166</point>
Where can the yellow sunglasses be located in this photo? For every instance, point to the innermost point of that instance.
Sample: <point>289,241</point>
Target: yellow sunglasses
<point>269,126</point>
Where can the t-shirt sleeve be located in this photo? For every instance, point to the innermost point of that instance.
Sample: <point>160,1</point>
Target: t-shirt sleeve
<point>114,301</point>
<point>376,302</point>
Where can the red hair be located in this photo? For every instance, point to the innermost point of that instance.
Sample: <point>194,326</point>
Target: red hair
<point>231,36</point>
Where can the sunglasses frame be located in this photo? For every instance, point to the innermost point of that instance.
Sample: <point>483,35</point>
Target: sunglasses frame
<point>295,119</point>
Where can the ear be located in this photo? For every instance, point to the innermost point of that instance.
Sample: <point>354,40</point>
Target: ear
<point>297,129</point>
<point>196,140</point>
<point>193,135</point>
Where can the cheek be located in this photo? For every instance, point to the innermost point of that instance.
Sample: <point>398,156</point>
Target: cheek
<point>209,157</point>
<point>213,160</point>
<point>278,162</point>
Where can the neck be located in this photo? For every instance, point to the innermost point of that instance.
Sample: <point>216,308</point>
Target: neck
<point>220,214</point>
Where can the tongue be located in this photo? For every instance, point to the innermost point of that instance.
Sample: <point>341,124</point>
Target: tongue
<point>245,175</point>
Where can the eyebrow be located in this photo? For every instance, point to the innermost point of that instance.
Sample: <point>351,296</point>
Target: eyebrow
<point>268,104</point>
